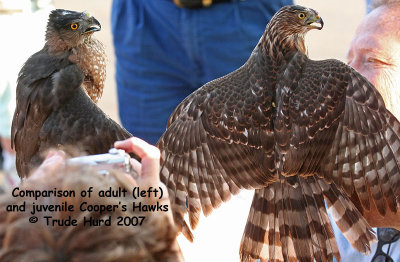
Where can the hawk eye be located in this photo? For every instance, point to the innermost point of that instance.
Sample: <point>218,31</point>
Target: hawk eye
<point>302,15</point>
<point>74,26</point>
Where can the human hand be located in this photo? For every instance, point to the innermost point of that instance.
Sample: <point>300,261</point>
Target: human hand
<point>53,160</point>
<point>149,168</point>
<point>6,145</point>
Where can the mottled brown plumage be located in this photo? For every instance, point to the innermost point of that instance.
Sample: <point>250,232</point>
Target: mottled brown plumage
<point>297,131</point>
<point>57,90</point>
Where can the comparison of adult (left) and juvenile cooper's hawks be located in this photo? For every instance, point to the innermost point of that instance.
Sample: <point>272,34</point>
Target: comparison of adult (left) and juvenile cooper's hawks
<point>57,90</point>
<point>297,131</point>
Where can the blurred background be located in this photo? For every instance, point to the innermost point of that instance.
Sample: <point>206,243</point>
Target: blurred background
<point>217,237</point>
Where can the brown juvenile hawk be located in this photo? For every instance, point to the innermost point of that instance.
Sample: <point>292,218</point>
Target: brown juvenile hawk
<point>297,131</point>
<point>57,90</point>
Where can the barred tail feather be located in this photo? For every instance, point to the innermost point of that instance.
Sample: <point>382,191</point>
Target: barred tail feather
<point>288,221</point>
<point>347,217</point>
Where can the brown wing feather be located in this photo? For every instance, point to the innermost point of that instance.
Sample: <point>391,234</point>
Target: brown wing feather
<point>366,149</point>
<point>329,124</point>
<point>335,124</point>
<point>310,104</point>
<point>218,141</point>
<point>326,126</point>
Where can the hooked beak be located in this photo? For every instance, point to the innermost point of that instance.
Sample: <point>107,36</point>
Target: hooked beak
<point>93,26</point>
<point>315,22</point>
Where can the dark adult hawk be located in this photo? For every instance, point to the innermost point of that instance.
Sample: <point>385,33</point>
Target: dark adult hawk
<point>57,90</point>
<point>297,131</point>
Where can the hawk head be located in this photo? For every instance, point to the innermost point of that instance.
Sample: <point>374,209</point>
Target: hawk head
<point>288,27</point>
<point>298,19</point>
<point>67,29</point>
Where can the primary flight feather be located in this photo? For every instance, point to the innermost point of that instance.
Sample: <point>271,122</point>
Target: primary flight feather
<point>298,131</point>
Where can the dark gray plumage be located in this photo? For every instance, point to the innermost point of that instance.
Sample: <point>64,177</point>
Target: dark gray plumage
<point>57,90</point>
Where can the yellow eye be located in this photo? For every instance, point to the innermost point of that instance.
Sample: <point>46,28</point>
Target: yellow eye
<point>302,15</point>
<point>74,26</point>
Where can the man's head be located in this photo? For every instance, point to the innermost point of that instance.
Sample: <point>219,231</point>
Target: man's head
<point>375,52</point>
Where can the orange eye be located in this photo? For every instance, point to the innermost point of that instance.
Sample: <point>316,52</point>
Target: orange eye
<point>302,15</point>
<point>74,26</point>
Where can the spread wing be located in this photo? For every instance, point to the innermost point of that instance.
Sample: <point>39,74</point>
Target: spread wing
<point>365,155</point>
<point>331,121</point>
<point>218,140</point>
